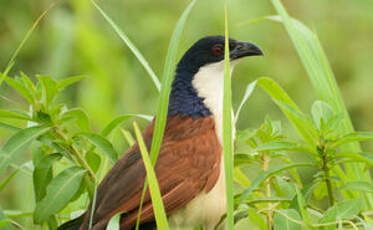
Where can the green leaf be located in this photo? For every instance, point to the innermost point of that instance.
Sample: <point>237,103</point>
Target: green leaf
<point>302,208</point>
<point>168,76</point>
<point>81,117</point>
<point>344,210</point>
<point>358,186</point>
<point>21,89</point>
<point>103,144</point>
<point>93,160</point>
<point>114,223</point>
<point>18,143</point>
<point>227,127</point>
<point>278,146</point>
<point>158,207</point>
<point>290,109</point>
<point>353,137</point>
<point>131,46</point>
<point>357,157</point>
<point>5,223</point>
<point>59,192</point>
<point>281,222</point>
<point>43,174</point>
<point>9,127</point>
<point>49,90</point>
<point>321,112</point>
<point>69,81</point>
<point>14,114</point>
<point>273,171</point>
<point>29,85</point>
<point>322,78</point>
<point>249,90</point>
<point>119,120</point>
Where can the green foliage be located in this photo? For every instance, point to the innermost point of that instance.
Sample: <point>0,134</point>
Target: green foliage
<point>227,127</point>
<point>70,154</point>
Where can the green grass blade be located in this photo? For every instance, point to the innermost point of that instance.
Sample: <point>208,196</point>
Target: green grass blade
<point>159,211</point>
<point>168,76</point>
<point>292,112</point>
<point>131,46</point>
<point>321,75</point>
<point>249,90</point>
<point>28,34</point>
<point>227,128</point>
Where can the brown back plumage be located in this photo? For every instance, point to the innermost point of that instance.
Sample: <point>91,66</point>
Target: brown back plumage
<point>188,164</point>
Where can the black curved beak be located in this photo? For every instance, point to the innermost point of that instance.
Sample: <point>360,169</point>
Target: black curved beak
<point>244,49</point>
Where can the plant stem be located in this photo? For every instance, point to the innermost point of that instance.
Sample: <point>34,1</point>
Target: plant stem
<point>269,214</point>
<point>75,152</point>
<point>326,169</point>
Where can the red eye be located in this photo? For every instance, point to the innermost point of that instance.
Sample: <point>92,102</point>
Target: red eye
<point>217,49</point>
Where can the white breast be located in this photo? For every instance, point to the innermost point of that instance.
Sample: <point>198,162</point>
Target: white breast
<point>207,208</point>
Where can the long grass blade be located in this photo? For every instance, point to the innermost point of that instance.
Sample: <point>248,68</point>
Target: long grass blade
<point>168,76</point>
<point>131,46</point>
<point>28,34</point>
<point>158,207</point>
<point>227,128</point>
<point>321,75</point>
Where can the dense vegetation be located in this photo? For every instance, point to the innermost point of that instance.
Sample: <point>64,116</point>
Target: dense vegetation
<point>299,170</point>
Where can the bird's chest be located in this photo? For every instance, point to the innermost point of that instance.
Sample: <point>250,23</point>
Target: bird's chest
<point>204,210</point>
<point>207,208</point>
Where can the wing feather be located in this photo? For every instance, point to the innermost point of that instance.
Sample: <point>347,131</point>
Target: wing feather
<point>188,164</point>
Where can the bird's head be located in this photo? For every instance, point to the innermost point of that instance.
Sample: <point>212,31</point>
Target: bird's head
<point>210,50</point>
<point>197,90</point>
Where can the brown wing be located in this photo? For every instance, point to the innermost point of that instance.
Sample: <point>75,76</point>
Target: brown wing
<point>188,163</point>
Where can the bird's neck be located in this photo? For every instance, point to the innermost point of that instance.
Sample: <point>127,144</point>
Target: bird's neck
<point>184,99</point>
<point>199,94</point>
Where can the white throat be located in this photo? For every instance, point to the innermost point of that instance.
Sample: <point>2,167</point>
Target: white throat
<point>209,84</point>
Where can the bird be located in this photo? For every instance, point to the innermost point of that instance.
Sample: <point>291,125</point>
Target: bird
<point>189,167</point>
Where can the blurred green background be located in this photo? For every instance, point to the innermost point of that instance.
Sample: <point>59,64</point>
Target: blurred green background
<point>73,39</point>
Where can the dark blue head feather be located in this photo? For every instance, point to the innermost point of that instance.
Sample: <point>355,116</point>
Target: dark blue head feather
<point>184,99</point>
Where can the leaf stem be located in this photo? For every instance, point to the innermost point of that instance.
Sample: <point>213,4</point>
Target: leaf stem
<point>325,167</point>
<point>75,152</point>
<point>269,214</point>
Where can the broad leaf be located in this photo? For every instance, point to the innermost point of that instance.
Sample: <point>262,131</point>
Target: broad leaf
<point>80,116</point>
<point>353,137</point>
<point>263,176</point>
<point>281,222</point>
<point>43,174</point>
<point>103,144</point>
<point>14,115</point>
<point>119,120</point>
<point>5,223</point>
<point>279,146</point>
<point>69,81</point>
<point>59,192</point>
<point>303,210</point>
<point>21,89</point>
<point>114,223</point>
<point>344,210</point>
<point>18,143</point>
<point>358,186</point>
<point>49,90</point>
<point>93,160</point>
